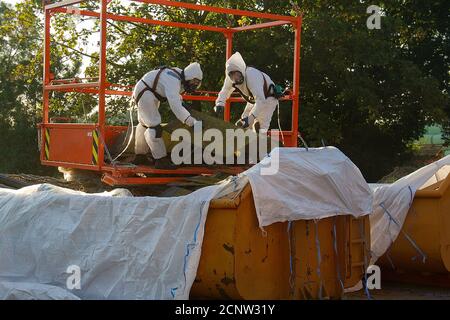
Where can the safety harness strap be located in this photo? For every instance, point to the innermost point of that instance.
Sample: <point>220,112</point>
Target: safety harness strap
<point>158,129</point>
<point>269,91</point>
<point>249,98</point>
<point>266,89</point>
<point>152,89</point>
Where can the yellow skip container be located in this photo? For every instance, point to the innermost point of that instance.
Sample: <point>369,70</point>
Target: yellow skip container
<point>428,224</point>
<point>238,261</point>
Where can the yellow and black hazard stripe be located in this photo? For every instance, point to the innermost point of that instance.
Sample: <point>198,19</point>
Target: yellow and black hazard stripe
<point>95,147</point>
<point>47,144</point>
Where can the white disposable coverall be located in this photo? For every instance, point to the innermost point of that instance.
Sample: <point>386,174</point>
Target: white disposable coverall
<point>169,86</point>
<point>263,108</point>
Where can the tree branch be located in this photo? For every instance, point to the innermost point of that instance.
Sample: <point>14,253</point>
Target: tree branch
<point>118,28</point>
<point>89,56</point>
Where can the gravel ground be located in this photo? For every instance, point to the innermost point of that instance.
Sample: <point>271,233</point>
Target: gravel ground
<point>401,291</point>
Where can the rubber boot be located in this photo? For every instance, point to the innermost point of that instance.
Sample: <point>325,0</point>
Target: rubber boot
<point>165,164</point>
<point>144,160</point>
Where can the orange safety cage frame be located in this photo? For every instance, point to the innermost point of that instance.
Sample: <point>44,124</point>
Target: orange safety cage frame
<point>81,146</point>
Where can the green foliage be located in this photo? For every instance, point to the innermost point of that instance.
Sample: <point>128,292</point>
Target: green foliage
<point>21,57</point>
<point>361,90</point>
<point>20,87</point>
<point>368,92</point>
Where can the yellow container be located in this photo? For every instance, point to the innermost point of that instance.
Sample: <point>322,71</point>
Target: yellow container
<point>428,224</point>
<point>238,261</point>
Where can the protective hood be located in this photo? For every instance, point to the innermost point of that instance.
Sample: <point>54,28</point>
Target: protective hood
<point>235,63</point>
<point>193,71</point>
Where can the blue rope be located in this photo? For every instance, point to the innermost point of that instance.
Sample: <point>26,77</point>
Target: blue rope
<point>319,259</point>
<point>411,195</point>
<point>413,243</point>
<point>336,254</point>
<point>291,262</point>
<point>388,256</point>
<point>361,231</point>
<point>191,246</point>
<point>234,181</point>
<point>307,245</point>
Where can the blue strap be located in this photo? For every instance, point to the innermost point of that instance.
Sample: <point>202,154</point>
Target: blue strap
<point>192,245</point>
<point>361,232</point>
<point>388,256</point>
<point>173,74</point>
<point>411,195</point>
<point>319,259</point>
<point>413,243</point>
<point>233,180</point>
<point>338,269</point>
<point>291,262</point>
<point>307,231</point>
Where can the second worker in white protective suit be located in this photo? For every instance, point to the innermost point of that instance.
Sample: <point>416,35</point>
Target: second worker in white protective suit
<point>255,87</point>
<point>160,85</point>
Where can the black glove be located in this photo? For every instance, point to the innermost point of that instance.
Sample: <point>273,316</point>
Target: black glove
<point>219,110</point>
<point>243,123</point>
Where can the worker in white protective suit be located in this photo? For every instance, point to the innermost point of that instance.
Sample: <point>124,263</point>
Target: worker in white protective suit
<point>255,87</point>
<point>160,85</point>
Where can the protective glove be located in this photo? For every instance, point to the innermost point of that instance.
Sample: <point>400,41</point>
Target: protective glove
<point>245,122</point>
<point>242,123</point>
<point>219,110</point>
<point>190,121</point>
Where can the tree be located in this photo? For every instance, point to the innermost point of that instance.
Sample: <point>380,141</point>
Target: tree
<point>360,90</point>
<point>20,88</point>
<point>21,58</point>
<point>368,92</point>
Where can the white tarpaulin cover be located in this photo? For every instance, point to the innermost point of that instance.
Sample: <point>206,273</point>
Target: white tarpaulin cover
<point>149,247</point>
<point>33,291</point>
<point>125,247</point>
<point>392,202</point>
<point>312,183</point>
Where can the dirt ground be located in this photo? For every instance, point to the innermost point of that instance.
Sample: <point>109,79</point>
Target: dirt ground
<point>402,291</point>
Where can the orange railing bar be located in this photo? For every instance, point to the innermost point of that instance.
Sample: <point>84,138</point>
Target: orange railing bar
<point>236,12</point>
<point>71,85</point>
<point>102,88</point>
<point>261,25</point>
<point>191,6</point>
<point>62,4</point>
<point>144,20</point>
<point>167,23</point>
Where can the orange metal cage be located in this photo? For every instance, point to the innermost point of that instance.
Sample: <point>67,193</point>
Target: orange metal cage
<point>82,146</point>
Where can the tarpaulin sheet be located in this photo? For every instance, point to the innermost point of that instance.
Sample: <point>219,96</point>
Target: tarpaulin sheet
<point>149,247</point>
<point>312,183</point>
<point>125,247</point>
<point>33,291</point>
<point>392,202</point>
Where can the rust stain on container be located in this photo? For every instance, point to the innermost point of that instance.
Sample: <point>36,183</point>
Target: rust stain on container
<point>229,248</point>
